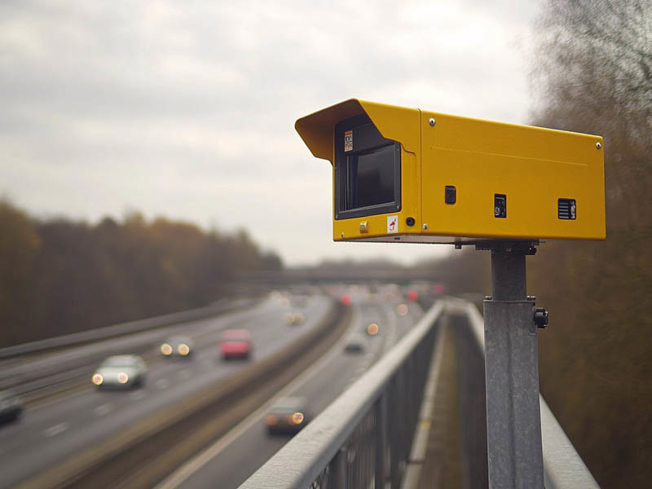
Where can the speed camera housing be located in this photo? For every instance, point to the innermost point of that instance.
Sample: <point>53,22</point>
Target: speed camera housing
<point>407,175</point>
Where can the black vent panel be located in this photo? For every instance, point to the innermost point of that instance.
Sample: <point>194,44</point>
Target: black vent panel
<point>567,209</point>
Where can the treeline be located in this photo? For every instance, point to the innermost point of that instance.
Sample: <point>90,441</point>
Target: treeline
<point>594,73</point>
<point>59,276</point>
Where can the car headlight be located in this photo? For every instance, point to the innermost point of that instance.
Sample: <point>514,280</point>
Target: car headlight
<point>166,349</point>
<point>123,378</point>
<point>98,379</point>
<point>183,349</point>
<point>297,418</point>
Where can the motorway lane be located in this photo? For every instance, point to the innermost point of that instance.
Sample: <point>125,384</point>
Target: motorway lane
<point>49,434</point>
<point>232,459</point>
<point>72,359</point>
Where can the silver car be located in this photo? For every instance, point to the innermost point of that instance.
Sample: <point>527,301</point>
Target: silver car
<point>120,372</point>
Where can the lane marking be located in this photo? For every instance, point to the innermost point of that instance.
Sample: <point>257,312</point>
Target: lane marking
<point>56,429</point>
<point>103,409</point>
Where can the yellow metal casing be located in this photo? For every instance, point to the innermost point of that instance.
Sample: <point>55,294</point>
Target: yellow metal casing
<point>508,181</point>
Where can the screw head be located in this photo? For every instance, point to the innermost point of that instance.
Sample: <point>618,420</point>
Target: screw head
<point>432,122</point>
<point>425,227</point>
<point>598,145</point>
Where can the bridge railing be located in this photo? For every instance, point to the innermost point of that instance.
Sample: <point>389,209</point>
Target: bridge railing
<point>363,439</point>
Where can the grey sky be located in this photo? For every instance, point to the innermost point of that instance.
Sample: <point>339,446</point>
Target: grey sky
<point>187,109</point>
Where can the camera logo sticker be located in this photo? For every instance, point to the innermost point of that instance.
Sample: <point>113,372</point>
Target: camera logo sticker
<point>392,224</point>
<point>348,141</point>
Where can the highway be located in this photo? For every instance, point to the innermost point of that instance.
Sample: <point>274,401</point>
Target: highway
<point>233,458</point>
<point>55,428</point>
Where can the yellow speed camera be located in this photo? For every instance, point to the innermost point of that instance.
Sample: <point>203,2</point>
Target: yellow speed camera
<point>408,175</point>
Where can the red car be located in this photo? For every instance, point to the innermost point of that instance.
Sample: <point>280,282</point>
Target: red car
<point>235,343</point>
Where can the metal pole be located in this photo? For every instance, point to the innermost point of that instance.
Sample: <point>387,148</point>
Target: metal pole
<point>512,375</point>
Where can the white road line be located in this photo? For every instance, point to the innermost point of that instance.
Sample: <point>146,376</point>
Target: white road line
<point>103,409</point>
<point>56,429</point>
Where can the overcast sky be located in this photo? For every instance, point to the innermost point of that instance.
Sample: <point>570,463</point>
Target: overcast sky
<point>186,109</point>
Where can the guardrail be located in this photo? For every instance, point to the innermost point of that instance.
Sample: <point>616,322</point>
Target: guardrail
<point>120,329</point>
<point>363,439</point>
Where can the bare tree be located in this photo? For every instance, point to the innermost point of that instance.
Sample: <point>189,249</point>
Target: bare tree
<point>593,74</point>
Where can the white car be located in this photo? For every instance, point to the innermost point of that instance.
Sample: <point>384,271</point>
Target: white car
<point>121,372</point>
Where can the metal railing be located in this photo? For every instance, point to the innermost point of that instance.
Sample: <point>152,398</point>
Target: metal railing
<point>121,329</point>
<point>363,439</point>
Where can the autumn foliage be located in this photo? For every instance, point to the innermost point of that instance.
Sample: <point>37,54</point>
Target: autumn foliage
<point>59,276</point>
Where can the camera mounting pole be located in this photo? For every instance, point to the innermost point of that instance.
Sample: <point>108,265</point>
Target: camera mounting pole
<point>511,370</point>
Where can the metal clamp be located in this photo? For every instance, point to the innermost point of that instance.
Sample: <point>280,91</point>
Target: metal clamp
<point>540,317</point>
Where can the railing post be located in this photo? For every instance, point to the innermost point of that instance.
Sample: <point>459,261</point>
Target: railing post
<point>380,408</point>
<point>512,376</point>
<point>339,465</point>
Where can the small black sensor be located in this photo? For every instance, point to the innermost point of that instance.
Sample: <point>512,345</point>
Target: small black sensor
<point>500,206</point>
<point>450,194</point>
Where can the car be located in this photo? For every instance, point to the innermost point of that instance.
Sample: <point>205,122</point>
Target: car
<point>235,343</point>
<point>120,372</point>
<point>354,344</point>
<point>373,329</point>
<point>11,407</point>
<point>294,318</point>
<point>177,346</point>
<point>288,415</point>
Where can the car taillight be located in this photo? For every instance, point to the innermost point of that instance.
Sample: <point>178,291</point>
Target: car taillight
<point>296,418</point>
<point>166,349</point>
<point>98,379</point>
<point>270,420</point>
<point>123,378</point>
